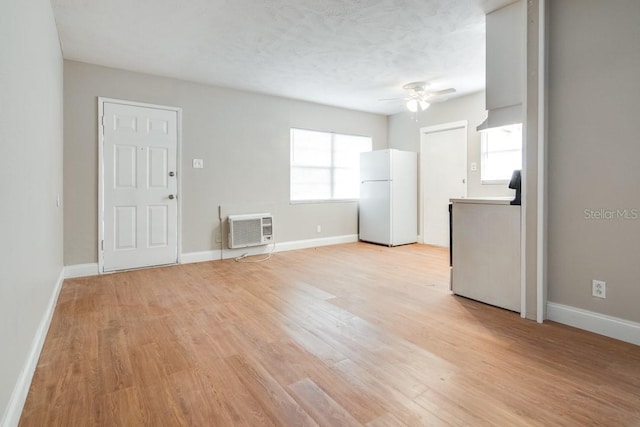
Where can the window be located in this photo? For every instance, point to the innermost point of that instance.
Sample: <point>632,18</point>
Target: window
<point>325,166</point>
<point>501,153</point>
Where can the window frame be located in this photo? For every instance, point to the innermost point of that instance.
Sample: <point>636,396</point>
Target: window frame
<point>332,168</point>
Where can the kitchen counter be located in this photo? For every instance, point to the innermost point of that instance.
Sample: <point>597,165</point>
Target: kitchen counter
<point>484,200</point>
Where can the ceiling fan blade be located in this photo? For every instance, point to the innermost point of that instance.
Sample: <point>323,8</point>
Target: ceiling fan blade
<point>436,96</point>
<point>442,92</point>
<point>418,93</point>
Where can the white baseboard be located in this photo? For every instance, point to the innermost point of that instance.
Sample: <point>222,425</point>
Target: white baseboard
<point>91,269</point>
<point>191,257</point>
<point>314,243</point>
<point>613,327</point>
<point>80,270</point>
<point>21,389</point>
<point>252,251</point>
<point>216,255</point>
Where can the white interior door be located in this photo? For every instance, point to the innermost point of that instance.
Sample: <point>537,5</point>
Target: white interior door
<point>139,186</point>
<point>443,175</point>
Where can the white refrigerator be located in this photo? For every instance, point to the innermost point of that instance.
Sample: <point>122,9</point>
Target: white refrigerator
<point>388,210</point>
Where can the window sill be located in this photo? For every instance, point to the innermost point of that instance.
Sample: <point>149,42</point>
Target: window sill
<point>304,202</point>
<point>495,182</point>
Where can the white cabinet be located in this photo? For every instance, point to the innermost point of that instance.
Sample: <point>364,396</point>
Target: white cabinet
<point>505,65</point>
<point>505,56</point>
<point>486,253</point>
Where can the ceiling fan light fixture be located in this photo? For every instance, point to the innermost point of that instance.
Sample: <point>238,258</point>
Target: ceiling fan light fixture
<point>413,105</point>
<point>418,97</point>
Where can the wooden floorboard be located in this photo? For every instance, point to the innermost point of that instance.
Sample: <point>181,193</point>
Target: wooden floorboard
<point>353,334</point>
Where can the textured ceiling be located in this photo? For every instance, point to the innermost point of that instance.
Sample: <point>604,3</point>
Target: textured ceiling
<point>347,53</point>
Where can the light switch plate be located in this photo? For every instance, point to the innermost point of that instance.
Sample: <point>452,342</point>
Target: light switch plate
<point>198,163</point>
<point>474,166</point>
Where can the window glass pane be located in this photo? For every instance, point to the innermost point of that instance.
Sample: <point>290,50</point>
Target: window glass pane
<point>347,149</point>
<point>309,148</point>
<point>310,183</point>
<point>500,165</point>
<point>496,144</point>
<point>346,183</point>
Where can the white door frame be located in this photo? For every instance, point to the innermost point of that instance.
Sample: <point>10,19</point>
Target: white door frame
<point>462,124</point>
<point>178,110</point>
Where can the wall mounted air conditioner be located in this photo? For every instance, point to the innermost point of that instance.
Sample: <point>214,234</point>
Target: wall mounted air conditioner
<point>250,230</point>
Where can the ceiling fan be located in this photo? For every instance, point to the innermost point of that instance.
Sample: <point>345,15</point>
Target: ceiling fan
<point>418,97</point>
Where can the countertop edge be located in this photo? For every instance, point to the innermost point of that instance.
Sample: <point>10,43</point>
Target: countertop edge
<point>484,200</point>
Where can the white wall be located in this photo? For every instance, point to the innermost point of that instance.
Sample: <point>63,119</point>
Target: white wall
<point>404,134</point>
<point>593,147</point>
<point>242,137</point>
<point>31,176</point>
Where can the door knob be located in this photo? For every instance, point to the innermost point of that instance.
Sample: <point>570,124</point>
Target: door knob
<point>172,174</point>
<point>171,197</point>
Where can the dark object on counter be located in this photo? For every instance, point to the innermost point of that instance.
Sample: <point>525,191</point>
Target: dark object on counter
<point>515,184</point>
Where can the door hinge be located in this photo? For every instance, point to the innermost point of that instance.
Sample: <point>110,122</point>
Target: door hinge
<point>102,121</point>
<point>102,245</point>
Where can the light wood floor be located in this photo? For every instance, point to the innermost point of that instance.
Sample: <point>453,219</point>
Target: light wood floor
<point>354,334</point>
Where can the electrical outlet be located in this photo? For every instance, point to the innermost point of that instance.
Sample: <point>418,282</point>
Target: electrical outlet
<point>318,228</point>
<point>474,166</point>
<point>599,288</point>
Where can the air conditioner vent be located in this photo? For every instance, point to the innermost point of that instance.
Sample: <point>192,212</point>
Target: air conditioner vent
<point>250,230</point>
